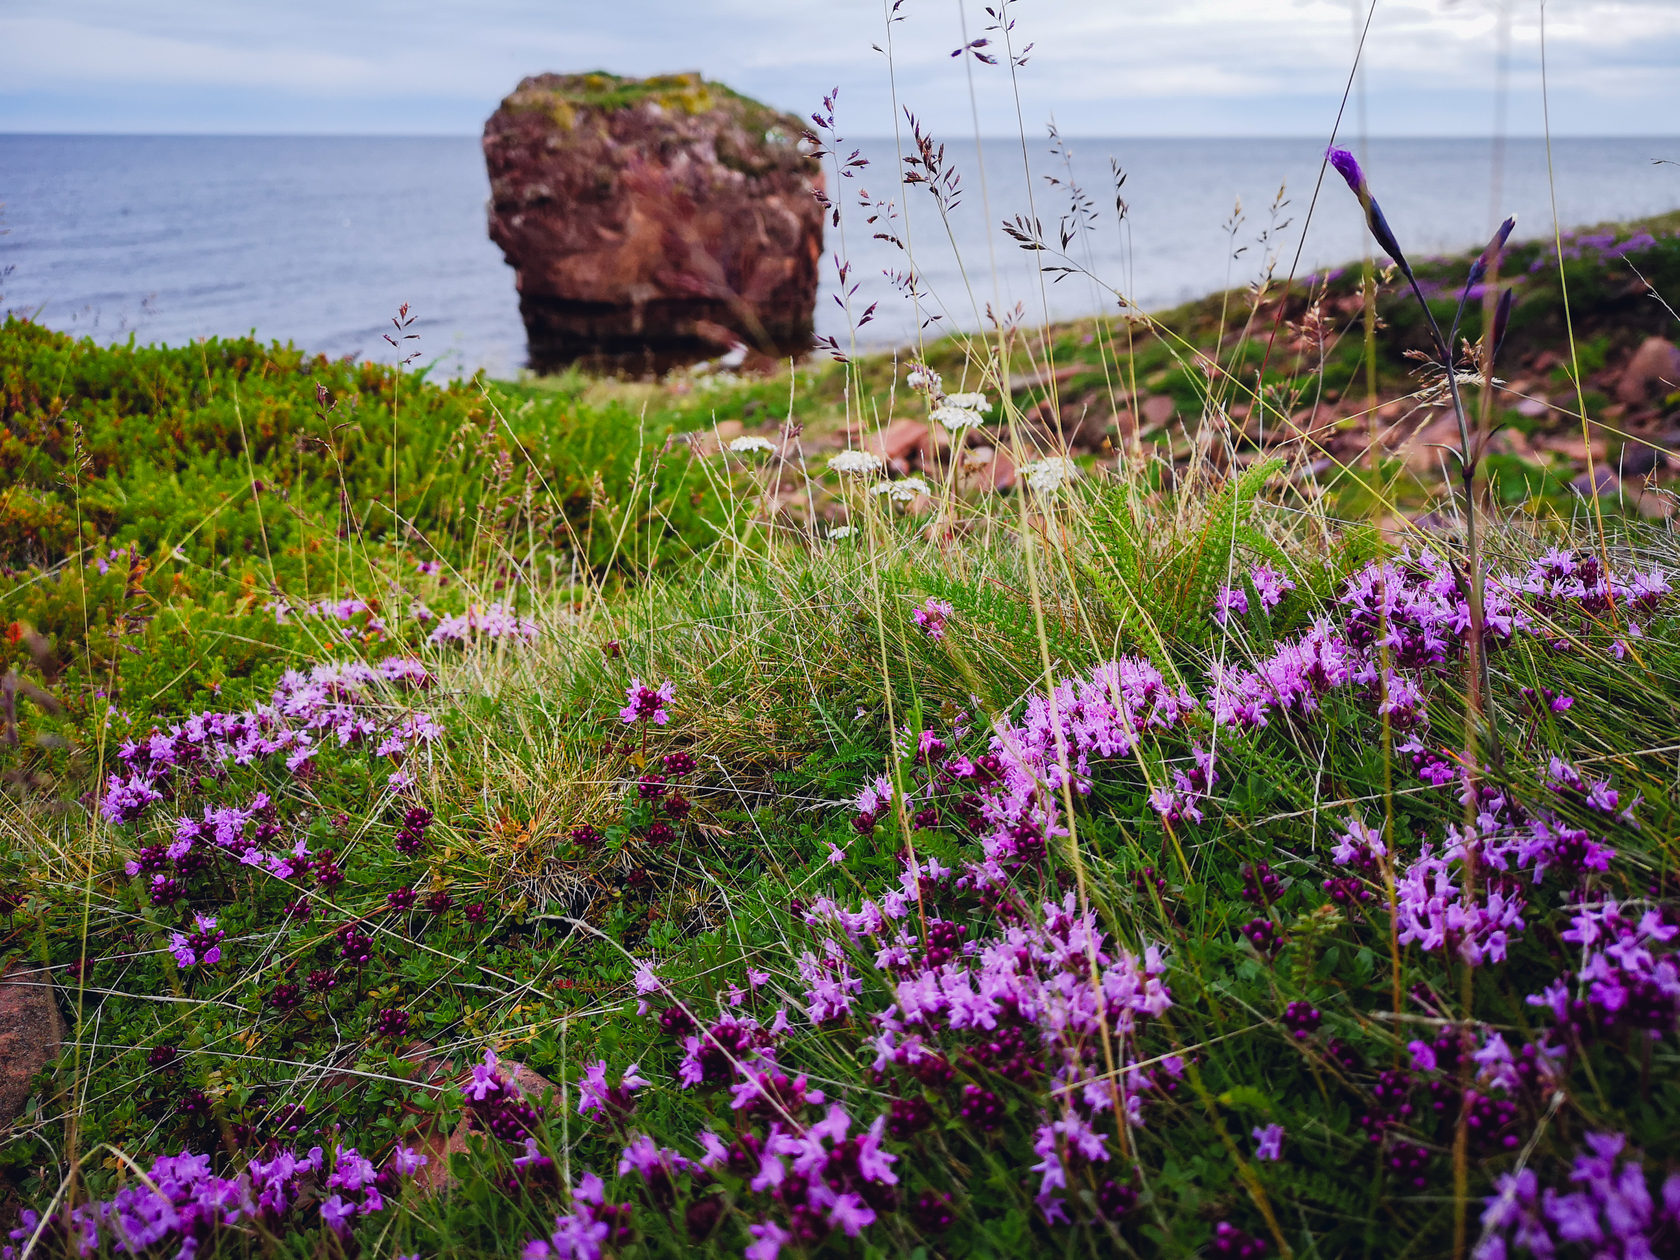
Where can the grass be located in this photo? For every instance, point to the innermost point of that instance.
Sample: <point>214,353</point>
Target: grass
<point>475,851</point>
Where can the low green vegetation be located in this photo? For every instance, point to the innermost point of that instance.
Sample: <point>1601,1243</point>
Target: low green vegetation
<point>160,504</point>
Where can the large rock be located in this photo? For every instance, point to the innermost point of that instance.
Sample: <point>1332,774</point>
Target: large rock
<point>31,1031</point>
<point>653,221</point>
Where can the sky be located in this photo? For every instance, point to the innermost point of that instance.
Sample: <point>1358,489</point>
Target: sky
<point>1097,67</point>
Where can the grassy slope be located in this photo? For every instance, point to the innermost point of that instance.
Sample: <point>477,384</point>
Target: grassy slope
<point>791,666</point>
<point>1089,380</point>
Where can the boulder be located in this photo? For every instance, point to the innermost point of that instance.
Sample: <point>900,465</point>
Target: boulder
<point>652,222</point>
<point>31,1031</point>
<point>1654,369</point>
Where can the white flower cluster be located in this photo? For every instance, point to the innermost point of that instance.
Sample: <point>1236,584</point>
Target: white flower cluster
<point>920,377</point>
<point>903,490</point>
<point>743,445</point>
<point>856,464</point>
<point>1046,476</point>
<point>955,418</point>
<point>969,402</point>
<point>839,532</point>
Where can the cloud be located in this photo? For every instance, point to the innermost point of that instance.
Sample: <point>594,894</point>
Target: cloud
<point>1116,66</point>
<point>59,52</point>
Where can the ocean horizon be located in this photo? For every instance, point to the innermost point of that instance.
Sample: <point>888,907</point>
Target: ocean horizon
<point>318,240</point>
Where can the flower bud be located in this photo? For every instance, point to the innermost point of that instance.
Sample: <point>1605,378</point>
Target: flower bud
<point>1347,166</point>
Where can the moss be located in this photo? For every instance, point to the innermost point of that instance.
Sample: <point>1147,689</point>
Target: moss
<point>562,96</point>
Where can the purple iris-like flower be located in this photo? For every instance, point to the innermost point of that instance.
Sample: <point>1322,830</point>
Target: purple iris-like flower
<point>1501,319</point>
<point>1268,1142</point>
<point>1484,261</point>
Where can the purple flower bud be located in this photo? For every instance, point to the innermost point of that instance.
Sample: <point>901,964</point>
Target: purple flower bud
<point>1347,166</point>
<point>1485,259</point>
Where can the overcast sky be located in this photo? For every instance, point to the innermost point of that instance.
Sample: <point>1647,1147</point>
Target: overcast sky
<point>1099,67</point>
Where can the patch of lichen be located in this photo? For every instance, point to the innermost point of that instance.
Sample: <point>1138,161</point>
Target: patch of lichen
<point>564,96</point>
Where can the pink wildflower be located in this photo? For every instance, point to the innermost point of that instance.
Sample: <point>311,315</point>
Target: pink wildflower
<point>931,617</point>
<point>646,703</point>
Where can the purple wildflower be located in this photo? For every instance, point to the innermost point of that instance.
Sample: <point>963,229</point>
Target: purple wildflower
<point>931,617</point>
<point>595,1095</point>
<point>1230,601</point>
<point>1347,166</point>
<point>200,947</point>
<point>645,704</point>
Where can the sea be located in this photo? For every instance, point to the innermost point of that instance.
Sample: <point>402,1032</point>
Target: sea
<point>320,241</point>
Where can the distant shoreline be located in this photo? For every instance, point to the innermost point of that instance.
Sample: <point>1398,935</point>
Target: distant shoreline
<point>1000,138</point>
<point>317,240</point>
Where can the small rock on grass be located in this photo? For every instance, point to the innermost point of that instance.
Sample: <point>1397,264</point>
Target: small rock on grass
<point>1654,368</point>
<point>903,444</point>
<point>438,1148</point>
<point>1604,480</point>
<point>31,1032</point>
<point>1158,411</point>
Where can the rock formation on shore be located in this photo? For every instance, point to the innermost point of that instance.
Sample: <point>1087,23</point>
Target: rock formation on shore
<point>653,221</point>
